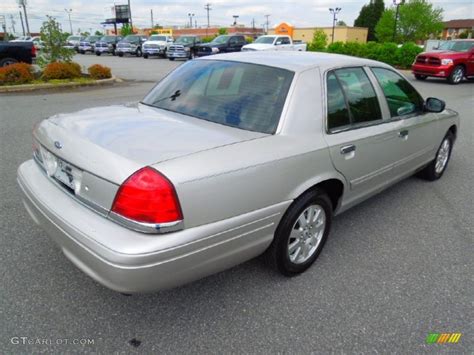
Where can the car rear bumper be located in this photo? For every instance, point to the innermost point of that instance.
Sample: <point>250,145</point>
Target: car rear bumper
<point>442,71</point>
<point>131,262</point>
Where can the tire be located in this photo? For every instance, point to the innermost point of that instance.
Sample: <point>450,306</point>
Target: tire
<point>172,59</point>
<point>456,75</point>
<point>433,171</point>
<point>120,54</point>
<point>82,52</point>
<point>139,52</point>
<point>291,234</point>
<point>191,55</point>
<point>420,77</point>
<point>145,56</point>
<point>7,61</point>
<point>97,54</point>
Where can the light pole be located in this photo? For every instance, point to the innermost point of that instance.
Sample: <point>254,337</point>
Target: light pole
<point>397,3</point>
<point>334,13</point>
<point>22,3</point>
<point>267,23</point>
<point>68,11</point>
<point>235,19</point>
<point>191,20</point>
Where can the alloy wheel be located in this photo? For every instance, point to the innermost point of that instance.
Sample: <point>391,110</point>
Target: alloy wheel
<point>443,156</point>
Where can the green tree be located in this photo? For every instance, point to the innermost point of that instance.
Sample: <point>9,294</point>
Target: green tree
<point>417,20</point>
<point>222,31</point>
<point>98,33</point>
<point>319,42</point>
<point>53,40</point>
<point>369,16</point>
<point>341,23</point>
<point>126,30</point>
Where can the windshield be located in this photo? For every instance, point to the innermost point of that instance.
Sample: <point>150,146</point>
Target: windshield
<point>265,40</point>
<point>92,38</point>
<point>131,38</point>
<point>73,38</point>
<point>184,40</point>
<point>220,39</point>
<point>242,95</point>
<point>457,46</point>
<point>107,38</point>
<point>157,38</point>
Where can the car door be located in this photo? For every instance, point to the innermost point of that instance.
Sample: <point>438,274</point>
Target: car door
<point>363,143</point>
<point>470,60</point>
<point>418,128</point>
<point>233,44</point>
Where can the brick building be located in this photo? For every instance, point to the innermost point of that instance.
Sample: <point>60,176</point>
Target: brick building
<point>452,29</point>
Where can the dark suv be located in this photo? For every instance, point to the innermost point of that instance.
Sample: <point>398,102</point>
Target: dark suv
<point>132,44</point>
<point>222,44</point>
<point>184,47</point>
<point>107,44</point>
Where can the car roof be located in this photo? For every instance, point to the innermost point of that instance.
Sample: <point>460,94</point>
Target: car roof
<point>296,61</point>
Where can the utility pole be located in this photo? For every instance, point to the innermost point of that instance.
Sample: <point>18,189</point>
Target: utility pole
<point>397,3</point>
<point>151,14</point>
<point>130,15</point>
<point>208,8</point>
<point>22,3</point>
<point>253,27</point>
<point>267,24</point>
<point>12,20</point>
<point>22,25</point>
<point>334,13</point>
<point>68,11</point>
<point>3,23</point>
<point>191,20</point>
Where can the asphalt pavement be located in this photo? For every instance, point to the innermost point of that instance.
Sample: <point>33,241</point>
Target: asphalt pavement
<point>395,268</point>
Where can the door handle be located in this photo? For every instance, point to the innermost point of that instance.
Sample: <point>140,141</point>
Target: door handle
<point>403,134</point>
<point>348,149</point>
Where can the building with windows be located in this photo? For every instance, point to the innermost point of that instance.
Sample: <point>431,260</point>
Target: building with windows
<point>454,28</point>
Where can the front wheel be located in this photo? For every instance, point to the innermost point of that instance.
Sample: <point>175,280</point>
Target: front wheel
<point>434,170</point>
<point>420,77</point>
<point>7,61</point>
<point>456,75</point>
<point>192,55</point>
<point>172,59</point>
<point>301,234</point>
<point>120,54</point>
<point>145,56</point>
<point>139,52</point>
<point>97,54</point>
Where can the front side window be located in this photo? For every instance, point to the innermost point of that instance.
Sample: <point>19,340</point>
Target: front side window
<point>242,95</point>
<point>402,98</point>
<point>360,95</point>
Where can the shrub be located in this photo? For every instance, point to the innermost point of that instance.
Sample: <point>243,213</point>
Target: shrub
<point>248,39</point>
<point>407,53</point>
<point>98,71</point>
<point>336,47</point>
<point>19,73</point>
<point>53,39</point>
<point>207,39</point>
<point>387,53</point>
<point>61,70</point>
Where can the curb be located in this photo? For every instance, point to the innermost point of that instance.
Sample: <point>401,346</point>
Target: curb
<point>34,87</point>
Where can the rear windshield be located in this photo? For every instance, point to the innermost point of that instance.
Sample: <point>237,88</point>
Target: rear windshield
<point>246,96</point>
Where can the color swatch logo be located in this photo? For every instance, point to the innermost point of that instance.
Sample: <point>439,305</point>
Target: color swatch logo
<point>443,338</point>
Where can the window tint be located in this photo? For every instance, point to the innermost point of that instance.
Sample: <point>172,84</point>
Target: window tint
<point>247,96</point>
<point>338,114</point>
<point>360,95</point>
<point>402,98</point>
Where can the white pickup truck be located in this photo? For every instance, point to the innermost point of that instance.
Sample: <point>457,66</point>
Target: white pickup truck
<point>275,43</point>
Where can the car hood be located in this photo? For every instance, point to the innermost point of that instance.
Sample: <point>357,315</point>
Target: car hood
<point>162,43</point>
<point>101,140</point>
<point>443,54</point>
<point>258,46</point>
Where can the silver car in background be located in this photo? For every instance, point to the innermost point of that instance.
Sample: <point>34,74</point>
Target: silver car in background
<point>227,158</point>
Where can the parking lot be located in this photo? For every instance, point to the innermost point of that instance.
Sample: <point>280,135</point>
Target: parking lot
<point>394,269</point>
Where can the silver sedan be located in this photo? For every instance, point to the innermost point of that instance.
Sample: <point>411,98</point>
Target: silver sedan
<point>225,159</point>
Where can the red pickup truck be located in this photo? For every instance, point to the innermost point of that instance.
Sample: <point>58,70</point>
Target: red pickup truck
<point>453,60</point>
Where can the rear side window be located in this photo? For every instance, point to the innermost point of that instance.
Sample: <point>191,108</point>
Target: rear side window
<point>402,98</point>
<point>360,95</point>
<point>338,114</point>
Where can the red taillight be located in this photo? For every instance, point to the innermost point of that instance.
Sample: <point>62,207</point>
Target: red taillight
<point>33,51</point>
<point>148,196</point>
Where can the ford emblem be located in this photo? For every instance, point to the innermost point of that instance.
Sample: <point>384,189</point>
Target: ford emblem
<point>58,144</point>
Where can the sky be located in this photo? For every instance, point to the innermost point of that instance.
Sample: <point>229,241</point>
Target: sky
<point>87,15</point>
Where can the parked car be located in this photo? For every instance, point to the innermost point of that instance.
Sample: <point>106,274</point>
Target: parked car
<point>37,42</point>
<point>222,44</point>
<point>131,44</point>
<point>156,45</point>
<point>275,43</point>
<point>107,44</point>
<point>229,157</point>
<point>185,47</point>
<point>87,45</point>
<point>72,42</point>
<point>11,53</point>
<point>453,60</point>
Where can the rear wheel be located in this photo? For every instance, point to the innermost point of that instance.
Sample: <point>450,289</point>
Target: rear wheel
<point>120,54</point>
<point>434,170</point>
<point>7,61</point>
<point>301,234</point>
<point>171,59</point>
<point>420,77</point>
<point>145,56</point>
<point>97,54</point>
<point>139,52</point>
<point>456,75</point>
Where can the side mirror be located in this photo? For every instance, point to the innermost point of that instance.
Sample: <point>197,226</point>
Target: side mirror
<point>434,105</point>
